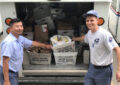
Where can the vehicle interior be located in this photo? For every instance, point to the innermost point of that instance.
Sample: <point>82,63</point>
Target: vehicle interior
<point>57,16</point>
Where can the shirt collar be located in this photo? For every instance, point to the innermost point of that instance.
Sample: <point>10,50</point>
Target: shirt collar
<point>96,31</point>
<point>13,37</point>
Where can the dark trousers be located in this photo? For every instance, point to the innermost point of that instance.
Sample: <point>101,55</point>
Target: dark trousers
<point>13,77</point>
<point>98,76</point>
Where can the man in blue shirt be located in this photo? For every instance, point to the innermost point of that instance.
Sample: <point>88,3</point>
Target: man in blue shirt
<point>12,53</point>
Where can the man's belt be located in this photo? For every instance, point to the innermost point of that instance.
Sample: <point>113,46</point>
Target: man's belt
<point>12,71</point>
<point>100,67</point>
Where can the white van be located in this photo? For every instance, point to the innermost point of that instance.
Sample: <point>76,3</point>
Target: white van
<point>114,20</point>
<point>62,17</point>
<point>1,28</point>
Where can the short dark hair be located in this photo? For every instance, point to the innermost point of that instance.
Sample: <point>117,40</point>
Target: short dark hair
<point>14,21</point>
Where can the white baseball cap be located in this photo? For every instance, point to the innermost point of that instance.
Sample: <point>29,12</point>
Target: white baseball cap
<point>91,12</point>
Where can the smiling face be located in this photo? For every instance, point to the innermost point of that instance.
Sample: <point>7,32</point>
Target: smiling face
<point>17,28</point>
<point>92,23</point>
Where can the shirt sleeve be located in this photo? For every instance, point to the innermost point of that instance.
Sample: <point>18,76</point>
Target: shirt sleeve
<point>7,49</point>
<point>27,42</point>
<point>110,43</point>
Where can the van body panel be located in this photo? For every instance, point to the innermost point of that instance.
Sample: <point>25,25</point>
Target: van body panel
<point>99,7</point>
<point>114,20</point>
<point>1,28</point>
<point>56,0</point>
<point>7,10</point>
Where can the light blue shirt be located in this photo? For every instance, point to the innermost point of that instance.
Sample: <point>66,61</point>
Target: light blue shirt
<point>13,48</point>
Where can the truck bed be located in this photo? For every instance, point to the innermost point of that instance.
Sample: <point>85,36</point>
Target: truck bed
<point>55,70</point>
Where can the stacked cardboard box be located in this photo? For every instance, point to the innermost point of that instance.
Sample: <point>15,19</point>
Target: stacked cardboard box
<point>28,28</point>
<point>64,26</point>
<point>41,34</point>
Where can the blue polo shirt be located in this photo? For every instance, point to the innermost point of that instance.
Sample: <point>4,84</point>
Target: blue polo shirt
<point>13,48</point>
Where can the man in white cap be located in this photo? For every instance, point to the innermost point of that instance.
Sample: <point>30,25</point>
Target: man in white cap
<point>101,44</point>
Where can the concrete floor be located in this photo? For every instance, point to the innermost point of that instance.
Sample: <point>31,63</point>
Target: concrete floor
<point>114,82</point>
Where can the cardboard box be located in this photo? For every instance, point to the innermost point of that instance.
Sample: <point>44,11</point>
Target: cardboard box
<point>41,34</point>
<point>64,26</point>
<point>28,29</point>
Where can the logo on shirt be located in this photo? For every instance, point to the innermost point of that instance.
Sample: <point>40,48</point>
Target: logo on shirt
<point>110,39</point>
<point>96,40</point>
